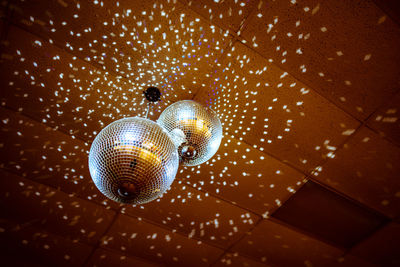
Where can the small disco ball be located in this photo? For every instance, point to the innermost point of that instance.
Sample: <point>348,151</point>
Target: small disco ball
<point>195,128</point>
<point>133,161</point>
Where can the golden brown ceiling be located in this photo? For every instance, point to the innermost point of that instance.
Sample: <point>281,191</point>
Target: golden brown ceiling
<point>308,173</point>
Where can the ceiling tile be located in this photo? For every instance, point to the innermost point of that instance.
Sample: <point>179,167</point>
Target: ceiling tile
<point>366,169</point>
<point>329,216</point>
<point>149,42</point>
<point>228,14</point>
<point>278,245</point>
<point>382,247</point>
<point>105,258</point>
<point>235,260</point>
<point>149,241</point>
<point>347,50</point>
<point>52,86</point>
<point>267,107</point>
<point>30,203</point>
<point>47,156</point>
<point>386,120</point>
<point>197,214</point>
<point>245,176</point>
<point>25,245</point>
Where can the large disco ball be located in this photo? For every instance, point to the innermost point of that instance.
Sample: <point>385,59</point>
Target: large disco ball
<point>133,160</point>
<point>197,129</point>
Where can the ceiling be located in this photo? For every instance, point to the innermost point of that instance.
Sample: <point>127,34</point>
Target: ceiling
<point>308,92</point>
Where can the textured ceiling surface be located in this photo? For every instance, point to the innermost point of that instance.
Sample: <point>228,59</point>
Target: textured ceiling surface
<point>308,92</point>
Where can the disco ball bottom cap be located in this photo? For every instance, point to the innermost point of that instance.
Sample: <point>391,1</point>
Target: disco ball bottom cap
<point>127,190</point>
<point>188,152</point>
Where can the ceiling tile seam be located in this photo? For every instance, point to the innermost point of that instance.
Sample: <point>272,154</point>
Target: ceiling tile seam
<point>375,3</point>
<point>164,227</point>
<point>383,104</point>
<point>58,235</point>
<point>306,233</point>
<point>287,163</point>
<point>224,200</point>
<point>349,198</point>
<point>131,256</point>
<point>98,243</point>
<point>232,40</point>
<point>29,117</point>
<point>326,241</point>
<point>187,6</point>
<point>246,21</point>
<point>384,137</point>
<point>241,255</point>
<point>172,230</point>
<point>339,147</point>
<point>233,33</point>
<point>365,238</point>
<point>61,191</point>
<point>228,249</point>
<point>214,66</point>
<point>64,237</point>
<point>231,37</point>
<point>55,44</point>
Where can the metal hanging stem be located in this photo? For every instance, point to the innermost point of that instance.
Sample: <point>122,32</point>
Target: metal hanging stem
<point>148,108</point>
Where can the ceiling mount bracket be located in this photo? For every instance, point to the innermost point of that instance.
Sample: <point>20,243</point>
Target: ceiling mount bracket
<point>152,94</point>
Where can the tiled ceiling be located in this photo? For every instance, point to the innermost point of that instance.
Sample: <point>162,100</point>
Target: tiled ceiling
<point>308,92</point>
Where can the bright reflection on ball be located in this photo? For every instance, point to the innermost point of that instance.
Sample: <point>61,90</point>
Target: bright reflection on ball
<point>197,129</point>
<point>133,160</point>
